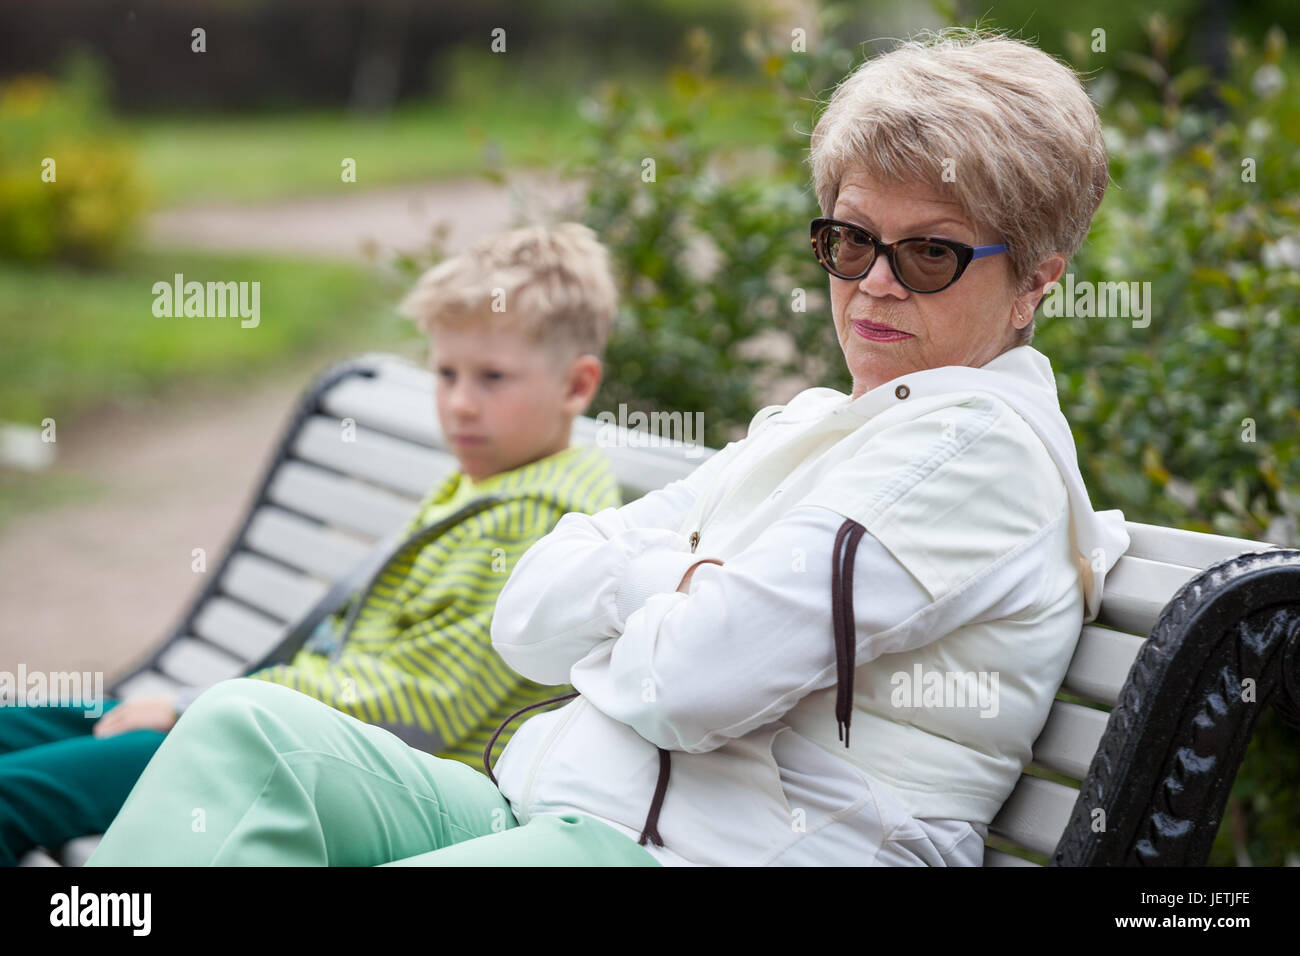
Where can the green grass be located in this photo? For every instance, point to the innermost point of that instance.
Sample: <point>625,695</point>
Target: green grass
<point>248,158</point>
<point>186,159</point>
<point>71,339</point>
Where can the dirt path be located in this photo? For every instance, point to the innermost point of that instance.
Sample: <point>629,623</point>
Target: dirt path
<point>92,584</point>
<point>397,218</point>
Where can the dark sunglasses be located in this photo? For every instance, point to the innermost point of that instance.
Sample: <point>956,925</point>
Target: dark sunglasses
<point>922,264</point>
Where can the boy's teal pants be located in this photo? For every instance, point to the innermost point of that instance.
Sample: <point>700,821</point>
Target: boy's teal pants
<point>256,774</point>
<point>57,780</point>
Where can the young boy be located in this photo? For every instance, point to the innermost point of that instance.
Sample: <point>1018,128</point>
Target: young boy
<point>517,326</point>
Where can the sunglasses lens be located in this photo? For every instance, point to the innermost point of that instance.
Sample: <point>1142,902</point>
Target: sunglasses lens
<point>848,252</point>
<point>926,266</point>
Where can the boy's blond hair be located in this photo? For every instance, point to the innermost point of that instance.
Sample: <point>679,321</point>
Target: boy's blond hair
<point>554,284</point>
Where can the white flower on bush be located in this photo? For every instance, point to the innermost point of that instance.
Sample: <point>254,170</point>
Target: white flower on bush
<point>1114,139</point>
<point>1103,88</point>
<point>1268,80</point>
<point>1157,197</point>
<point>1259,129</point>
<point>1158,142</point>
<point>1283,254</point>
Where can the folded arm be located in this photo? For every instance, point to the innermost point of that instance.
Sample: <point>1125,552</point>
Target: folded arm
<point>576,586</point>
<point>950,538</point>
<point>750,638</point>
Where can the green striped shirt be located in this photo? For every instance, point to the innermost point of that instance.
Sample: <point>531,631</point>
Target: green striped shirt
<point>419,660</point>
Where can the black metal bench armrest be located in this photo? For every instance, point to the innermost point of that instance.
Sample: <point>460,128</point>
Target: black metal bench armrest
<point>1157,786</point>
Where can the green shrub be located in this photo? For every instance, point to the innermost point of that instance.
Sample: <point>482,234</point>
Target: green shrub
<point>85,215</point>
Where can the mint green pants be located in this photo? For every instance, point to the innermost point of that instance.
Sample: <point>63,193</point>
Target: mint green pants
<point>257,774</point>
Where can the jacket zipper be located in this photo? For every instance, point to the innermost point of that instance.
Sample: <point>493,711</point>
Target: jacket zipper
<point>526,797</point>
<point>720,500</point>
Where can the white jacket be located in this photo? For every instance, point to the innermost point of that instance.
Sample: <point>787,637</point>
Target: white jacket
<point>982,559</point>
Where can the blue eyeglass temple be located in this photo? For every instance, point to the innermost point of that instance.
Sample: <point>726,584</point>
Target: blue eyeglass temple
<point>993,250</point>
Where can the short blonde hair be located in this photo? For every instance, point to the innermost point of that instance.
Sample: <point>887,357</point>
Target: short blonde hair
<point>1019,132</point>
<point>553,284</point>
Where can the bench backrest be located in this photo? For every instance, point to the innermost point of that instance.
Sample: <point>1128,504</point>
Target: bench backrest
<point>324,501</point>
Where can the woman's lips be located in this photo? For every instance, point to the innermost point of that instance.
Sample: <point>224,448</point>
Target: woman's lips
<point>879,333</point>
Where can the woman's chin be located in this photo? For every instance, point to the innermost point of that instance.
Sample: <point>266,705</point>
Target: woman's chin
<point>869,375</point>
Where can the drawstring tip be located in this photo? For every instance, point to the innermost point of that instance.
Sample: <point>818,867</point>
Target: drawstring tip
<point>843,727</point>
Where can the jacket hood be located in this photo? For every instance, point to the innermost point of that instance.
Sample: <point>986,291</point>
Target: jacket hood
<point>1022,377</point>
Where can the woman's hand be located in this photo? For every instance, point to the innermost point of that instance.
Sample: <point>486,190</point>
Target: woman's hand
<point>685,586</point>
<point>152,713</point>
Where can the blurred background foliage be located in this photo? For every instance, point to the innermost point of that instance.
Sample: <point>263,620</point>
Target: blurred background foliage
<point>83,205</point>
<point>1193,421</point>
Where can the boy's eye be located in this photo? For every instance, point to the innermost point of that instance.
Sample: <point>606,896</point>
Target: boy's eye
<point>490,375</point>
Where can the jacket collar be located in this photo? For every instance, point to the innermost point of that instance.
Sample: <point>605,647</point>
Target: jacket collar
<point>1023,365</point>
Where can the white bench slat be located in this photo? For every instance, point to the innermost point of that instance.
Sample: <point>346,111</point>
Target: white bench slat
<point>401,371</point>
<point>392,462</point>
<point>1137,591</point>
<point>640,468</point>
<point>1193,549</point>
<point>382,405</point>
<point>1101,662</point>
<point>147,684</point>
<point>337,500</point>
<point>270,587</point>
<point>1069,738</point>
<point>243,632</point>
<point>299,543</point>
<point>994,857</point>
<point>1036,814</point>
<point>197,663</point>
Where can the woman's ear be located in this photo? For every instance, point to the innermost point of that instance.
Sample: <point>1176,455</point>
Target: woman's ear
<point>1026,304</point>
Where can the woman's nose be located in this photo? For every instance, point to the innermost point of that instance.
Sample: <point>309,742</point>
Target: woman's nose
<point>880,280</point>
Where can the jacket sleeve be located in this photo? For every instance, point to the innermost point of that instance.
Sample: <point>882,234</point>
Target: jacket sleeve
<point>427,671</point>
<point>754,636</point>
<point>577,585</point>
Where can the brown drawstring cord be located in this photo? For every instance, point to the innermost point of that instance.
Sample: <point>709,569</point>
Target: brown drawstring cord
<point>487,751</point>
<point>651,829</point>
<point>842,622</point>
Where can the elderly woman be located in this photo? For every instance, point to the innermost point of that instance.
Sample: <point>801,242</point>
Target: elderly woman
<point>766,652</point>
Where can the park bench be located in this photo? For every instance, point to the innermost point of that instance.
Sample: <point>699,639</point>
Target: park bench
<point>1133,766</point>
